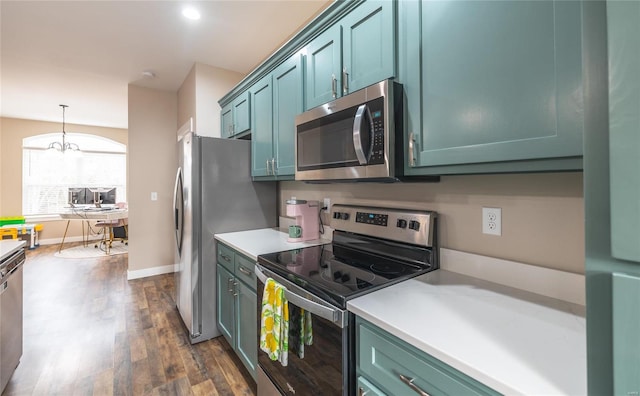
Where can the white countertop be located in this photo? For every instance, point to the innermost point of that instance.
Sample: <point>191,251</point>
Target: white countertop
<point>9,246</point>
<point>266,240</point>
<point>513,341</point>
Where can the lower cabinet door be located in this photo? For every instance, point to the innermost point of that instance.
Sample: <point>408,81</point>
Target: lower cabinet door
<point>365,388</point>
<point>246,323</point>
<point>225,302</point>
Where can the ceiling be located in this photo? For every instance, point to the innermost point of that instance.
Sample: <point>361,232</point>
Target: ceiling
<point>85,53</point>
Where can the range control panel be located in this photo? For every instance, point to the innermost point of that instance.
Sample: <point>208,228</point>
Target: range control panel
<point>409,226</point>
<point>372,218</point>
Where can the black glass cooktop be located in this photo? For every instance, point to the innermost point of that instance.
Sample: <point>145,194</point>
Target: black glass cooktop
<point>349,267</point>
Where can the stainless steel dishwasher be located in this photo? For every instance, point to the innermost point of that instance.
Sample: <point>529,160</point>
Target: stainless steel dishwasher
<point>10,315</point>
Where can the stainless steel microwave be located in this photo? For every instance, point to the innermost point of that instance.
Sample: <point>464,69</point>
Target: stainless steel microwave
<point>352,138</point>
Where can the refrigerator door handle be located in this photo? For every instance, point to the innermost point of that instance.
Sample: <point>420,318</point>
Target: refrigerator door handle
<point>178,211</point>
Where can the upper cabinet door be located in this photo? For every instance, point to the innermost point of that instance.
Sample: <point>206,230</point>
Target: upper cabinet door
<point>242,113</point>
<point>496,81</point>
<point>323,70</point>
<point>226,121</point>
<point>623,28</point>
<point>262,130</point>
<point>288,98</point>
<point>368,45</point>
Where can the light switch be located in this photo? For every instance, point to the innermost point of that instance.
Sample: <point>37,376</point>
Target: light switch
<point>154,196</point>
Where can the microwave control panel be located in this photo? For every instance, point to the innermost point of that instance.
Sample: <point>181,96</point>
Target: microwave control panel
<point>377,120</point>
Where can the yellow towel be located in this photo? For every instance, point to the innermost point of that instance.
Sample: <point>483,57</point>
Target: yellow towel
<point>274,326</point>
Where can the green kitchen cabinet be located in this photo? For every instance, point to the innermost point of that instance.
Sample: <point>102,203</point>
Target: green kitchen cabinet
<point>246,323</point>
<point>491,86</point>
<point>226,120</point>
<point>323,62</point>
<point>626,334</point>
<point>356,52</point>
<point>612,199</point>
<point>235,117</point>
<point>262,131</point>
<point>277,99</point>
<point>288,102</point>
<point>388,365</point>
<point>226,314</point>
<point>368,45</point>
<point>624,125</point>
<point>366,388</point>
<point>237,305</point>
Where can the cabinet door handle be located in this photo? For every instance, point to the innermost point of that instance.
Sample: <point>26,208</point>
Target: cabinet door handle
<point>245,271</point>
<point>334,86</point>
<point>229,285</point>
<point>273,166</point>
<point>345,81</point>
<point>268,171</point>
<point>361,392</point>
<point>235,291</point>
<point>412,149</point>
<point>225,258</point>
<point>409,382</point>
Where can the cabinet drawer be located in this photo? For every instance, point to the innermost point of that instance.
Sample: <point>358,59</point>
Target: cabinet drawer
<point>226,257</point>
<point>245,270</point>
<point>366,388</point>
<point>386,358</point>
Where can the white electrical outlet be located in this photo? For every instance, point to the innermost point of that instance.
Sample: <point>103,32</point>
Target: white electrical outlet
<point>492,221</point>
<point>154,196</point>
<point>327,204</point>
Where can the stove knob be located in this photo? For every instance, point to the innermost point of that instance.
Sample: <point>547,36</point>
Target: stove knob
<point>402,223</point>
<point>345,278</point>
<point>414,225</point>
<point>337,275</point>
<point>344,216</point>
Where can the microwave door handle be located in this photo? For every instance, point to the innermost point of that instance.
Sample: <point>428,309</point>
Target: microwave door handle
<point>358,121</point>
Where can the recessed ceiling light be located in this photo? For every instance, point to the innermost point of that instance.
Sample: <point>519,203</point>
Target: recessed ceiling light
<point>191,13</point>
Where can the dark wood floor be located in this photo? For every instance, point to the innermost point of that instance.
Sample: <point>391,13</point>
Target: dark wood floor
<point>89,331</point>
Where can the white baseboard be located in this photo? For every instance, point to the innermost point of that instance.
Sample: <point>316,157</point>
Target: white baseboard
<point>548,282</point>
<point>143,273</point>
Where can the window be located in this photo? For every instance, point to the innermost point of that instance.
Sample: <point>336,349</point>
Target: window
<point>47,175</point>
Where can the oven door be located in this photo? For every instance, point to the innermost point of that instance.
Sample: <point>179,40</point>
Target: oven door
<point>324,369</point>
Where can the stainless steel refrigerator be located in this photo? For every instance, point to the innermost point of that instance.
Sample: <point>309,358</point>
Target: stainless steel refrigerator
<point>214,193</point>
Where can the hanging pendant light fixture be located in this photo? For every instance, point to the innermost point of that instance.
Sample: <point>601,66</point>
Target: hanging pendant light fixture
<point>64,146</point>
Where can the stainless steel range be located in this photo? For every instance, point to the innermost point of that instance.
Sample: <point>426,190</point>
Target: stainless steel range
<point>372,248</point>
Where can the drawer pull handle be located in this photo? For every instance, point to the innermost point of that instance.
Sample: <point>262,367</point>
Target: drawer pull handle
<point>226,258</point>
<point>245,271</point>
<point>409,382</point>
<point>361,392</point>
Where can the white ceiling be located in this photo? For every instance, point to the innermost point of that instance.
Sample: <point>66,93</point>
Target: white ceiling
<point>85,53</point>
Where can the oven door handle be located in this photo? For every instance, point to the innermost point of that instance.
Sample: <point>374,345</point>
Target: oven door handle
<point>330,314</point>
